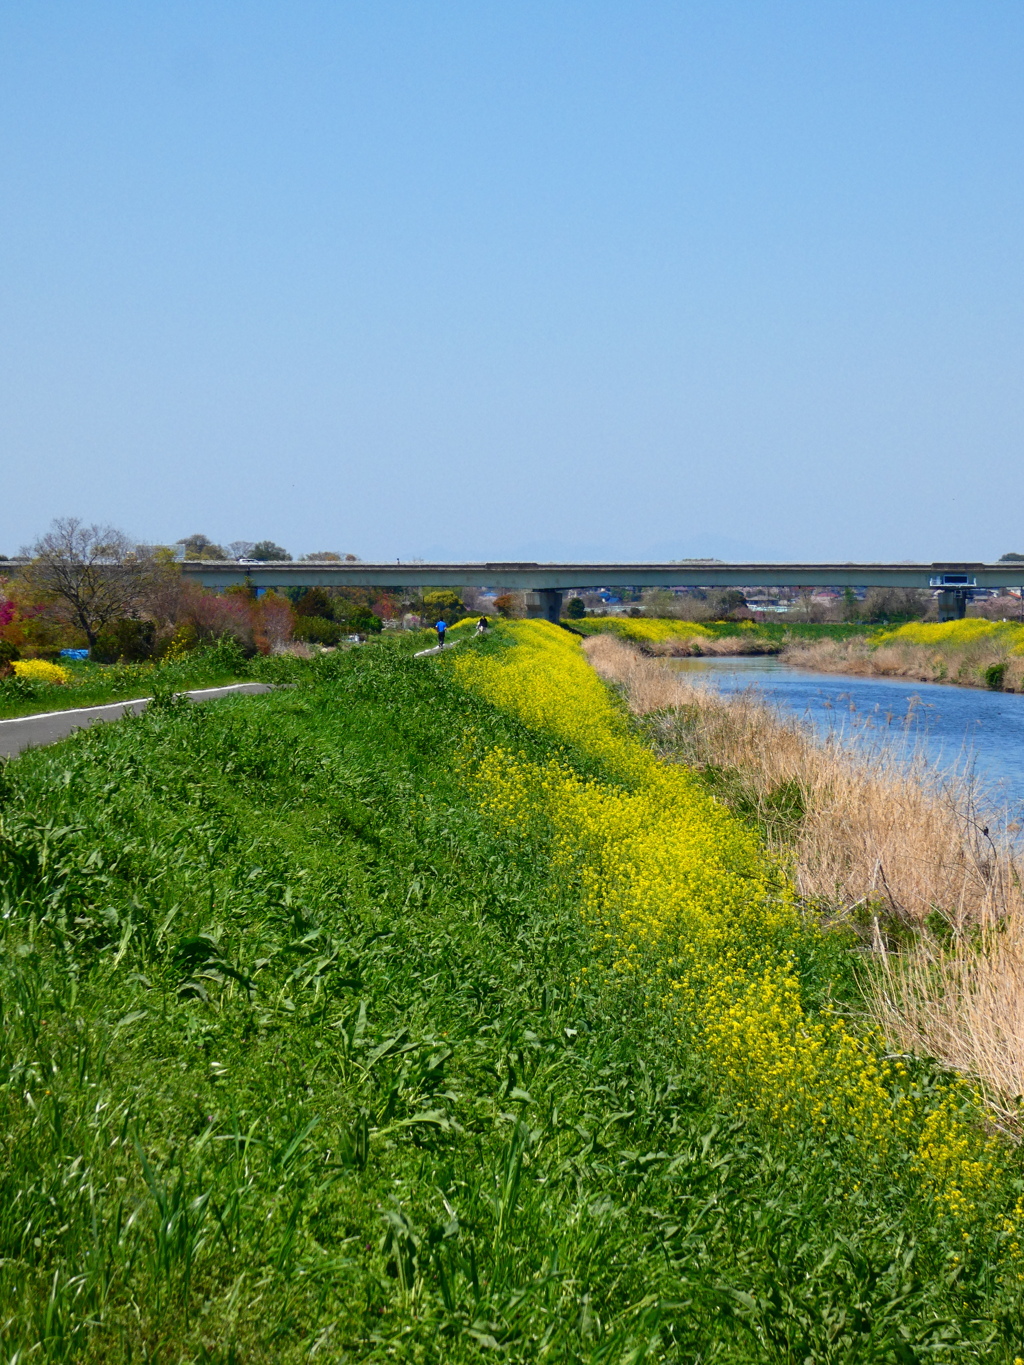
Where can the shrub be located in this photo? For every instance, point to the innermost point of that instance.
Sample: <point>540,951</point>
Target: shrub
<point>127,639</point>
<point>315,602</point>
<point>224,656</point>
<point>39,670</point>
<point>272,622</point>
<point>212,615</point>
<point>317,630</point>
<point>364,620</point>
<point>575,609</point>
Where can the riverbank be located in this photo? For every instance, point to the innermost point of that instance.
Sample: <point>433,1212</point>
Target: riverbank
<point>968,653</point>
<point>785,1037</point>
<point>667,637</point>
<point>901,851</point>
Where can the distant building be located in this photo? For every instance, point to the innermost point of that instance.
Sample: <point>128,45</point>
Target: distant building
<point>767,604</point>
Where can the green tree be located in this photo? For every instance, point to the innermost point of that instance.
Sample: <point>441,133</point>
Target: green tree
<point>368,622</point>
<point>575,610</point>
<point>201,547</point>
<point>442,602</point>
<point>315,602</point>
<point>267,552</point>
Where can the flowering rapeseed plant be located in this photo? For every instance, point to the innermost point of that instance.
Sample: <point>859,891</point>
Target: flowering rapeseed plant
<point>40,670</point>
<point>971,630</point>
<point>645,630</point>
<point>683,893</point>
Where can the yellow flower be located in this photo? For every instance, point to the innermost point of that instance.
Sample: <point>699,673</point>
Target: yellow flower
<point>645,630</point>
<point>40,670</point>
<point>683,896</point>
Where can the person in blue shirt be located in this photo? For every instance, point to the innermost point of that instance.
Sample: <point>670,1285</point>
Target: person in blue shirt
<point>441,627</point>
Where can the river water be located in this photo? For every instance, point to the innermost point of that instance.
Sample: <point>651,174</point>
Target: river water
<point>954,726</point>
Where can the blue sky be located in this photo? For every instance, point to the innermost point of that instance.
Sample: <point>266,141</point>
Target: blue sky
<point>503,280</point>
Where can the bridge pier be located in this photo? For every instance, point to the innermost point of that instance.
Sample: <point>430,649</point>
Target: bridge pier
<point>545,605</point>
<point>953,604</point>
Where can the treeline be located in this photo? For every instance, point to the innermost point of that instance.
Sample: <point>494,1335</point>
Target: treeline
<point>878,606</point>
<point>93,588</point>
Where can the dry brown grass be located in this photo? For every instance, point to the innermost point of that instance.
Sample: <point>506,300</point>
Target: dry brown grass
<point>710,646</point>
<point>872,838</point>
<point>964,663</point>
<point>963,1004</point>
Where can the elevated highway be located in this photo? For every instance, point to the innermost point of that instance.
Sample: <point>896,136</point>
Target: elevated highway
<point>545,583</point>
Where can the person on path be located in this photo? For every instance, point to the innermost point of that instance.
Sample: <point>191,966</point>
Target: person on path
<point>441,627</point>
<point>481,625</point>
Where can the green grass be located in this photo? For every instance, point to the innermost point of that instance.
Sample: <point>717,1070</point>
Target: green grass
<point>297,1067</point>
<point>96,684</point>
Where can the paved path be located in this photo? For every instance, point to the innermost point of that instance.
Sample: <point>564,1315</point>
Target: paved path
<point>448,644</point>
<point>29,732</point>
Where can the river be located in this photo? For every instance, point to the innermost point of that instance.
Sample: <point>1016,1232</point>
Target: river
<point>953,725</point>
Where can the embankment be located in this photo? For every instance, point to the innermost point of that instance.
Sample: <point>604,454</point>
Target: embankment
<point>871,839</point>
<point>423,1011</point>
<point>970,653</point>
<point>673,638</point>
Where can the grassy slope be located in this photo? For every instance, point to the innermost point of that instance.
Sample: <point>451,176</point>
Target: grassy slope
<point>96,684</point>
<point>295,1061</point>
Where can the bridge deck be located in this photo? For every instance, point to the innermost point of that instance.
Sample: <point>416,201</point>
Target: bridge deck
<point>566,577</point>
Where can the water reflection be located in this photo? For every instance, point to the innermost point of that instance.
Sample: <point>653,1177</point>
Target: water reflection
<point>952,725</point>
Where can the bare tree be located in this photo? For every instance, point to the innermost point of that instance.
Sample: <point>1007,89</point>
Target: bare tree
<point>882,604</point>
<point>92,574</point>
<point>241,549</point>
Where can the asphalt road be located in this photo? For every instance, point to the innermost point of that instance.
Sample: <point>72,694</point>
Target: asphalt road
<point>29,732</point>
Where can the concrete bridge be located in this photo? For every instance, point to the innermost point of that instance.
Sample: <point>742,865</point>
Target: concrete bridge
<point>545,584</point>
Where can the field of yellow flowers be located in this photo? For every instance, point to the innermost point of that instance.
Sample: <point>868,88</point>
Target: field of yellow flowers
<point>696,914</point>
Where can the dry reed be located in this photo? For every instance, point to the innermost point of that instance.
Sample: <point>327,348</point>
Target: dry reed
<point>963,1004</point>
<point>963,663</point>
<point>880,839</point>
<point>710,645</point>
